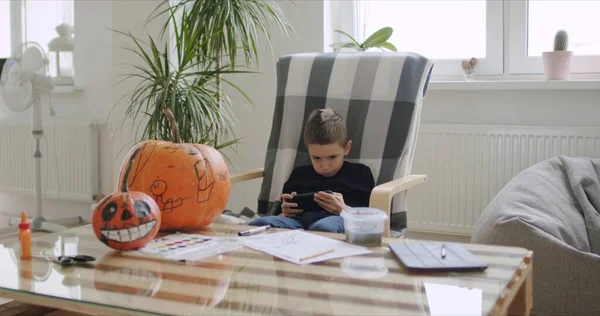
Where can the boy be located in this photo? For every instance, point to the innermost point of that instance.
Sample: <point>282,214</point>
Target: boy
<point>351,183</point>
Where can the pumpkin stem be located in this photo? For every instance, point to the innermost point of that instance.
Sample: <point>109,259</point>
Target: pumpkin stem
<point>124,184</point>
<point>173,123</point>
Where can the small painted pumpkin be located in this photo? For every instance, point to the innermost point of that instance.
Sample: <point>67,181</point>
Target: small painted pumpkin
<point>126,220</point>
<point>189,182</point>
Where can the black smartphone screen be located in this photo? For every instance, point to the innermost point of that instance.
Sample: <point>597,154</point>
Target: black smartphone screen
<point>306,201</point>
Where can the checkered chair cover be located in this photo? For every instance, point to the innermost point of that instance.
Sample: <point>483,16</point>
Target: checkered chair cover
<point>379,94</point>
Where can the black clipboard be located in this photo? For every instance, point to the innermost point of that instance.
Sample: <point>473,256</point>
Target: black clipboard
<point>436,256</point>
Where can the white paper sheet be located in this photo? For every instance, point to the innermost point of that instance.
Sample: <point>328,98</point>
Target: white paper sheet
<point>296,244</point>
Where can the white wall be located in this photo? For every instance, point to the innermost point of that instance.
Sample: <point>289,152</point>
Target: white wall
<point>102,57</point>
<point>517,107</point>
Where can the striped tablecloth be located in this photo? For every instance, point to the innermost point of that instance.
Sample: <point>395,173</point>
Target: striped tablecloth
<point>247,282</point>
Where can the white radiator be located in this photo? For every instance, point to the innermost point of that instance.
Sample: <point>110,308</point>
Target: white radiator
<point>467,165</point>
<point>69,160</point>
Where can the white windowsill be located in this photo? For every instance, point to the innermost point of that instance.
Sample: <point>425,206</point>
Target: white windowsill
<point>575,84</point>
<point>66,89</point>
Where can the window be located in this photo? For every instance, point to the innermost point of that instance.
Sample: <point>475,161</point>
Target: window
<point>507,36</point>
<point>545,17</point>
<point>533,23</point>
<point>31,21</point>
<point>427,27</point>
<point>410,22</point>
<point>24,21</point>
<point>42,17</point>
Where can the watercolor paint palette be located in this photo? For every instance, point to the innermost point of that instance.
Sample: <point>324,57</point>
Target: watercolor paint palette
<point>187,247</point>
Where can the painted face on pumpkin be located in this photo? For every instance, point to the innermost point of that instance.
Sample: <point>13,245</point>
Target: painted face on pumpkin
<point>124,223</point>
<point>126,220</point>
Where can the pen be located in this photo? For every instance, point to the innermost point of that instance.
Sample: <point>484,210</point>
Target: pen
<point>253,231</point>
<point>443,251</point>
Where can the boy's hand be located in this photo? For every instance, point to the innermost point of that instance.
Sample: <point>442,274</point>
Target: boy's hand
<point>286,207</point>
<point>331,202</point>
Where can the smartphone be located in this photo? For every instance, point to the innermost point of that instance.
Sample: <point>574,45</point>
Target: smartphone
<point>306,201</point>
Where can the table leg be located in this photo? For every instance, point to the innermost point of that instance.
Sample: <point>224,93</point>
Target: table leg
<point>522,303</point>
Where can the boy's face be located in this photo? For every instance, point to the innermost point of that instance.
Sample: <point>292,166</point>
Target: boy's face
<point>328,159</point>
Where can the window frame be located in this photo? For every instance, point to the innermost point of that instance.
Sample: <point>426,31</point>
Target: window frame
<point>506,21</point>
<point>522,64</point>
<point>341,15</point>
<point>492,64</point>
<point>16,27</point>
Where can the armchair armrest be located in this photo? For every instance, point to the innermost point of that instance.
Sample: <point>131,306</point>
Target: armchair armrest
<point>247,175</point>
<point>381,196</point>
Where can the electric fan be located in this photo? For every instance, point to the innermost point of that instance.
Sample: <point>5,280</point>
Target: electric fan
<point>24,80</point>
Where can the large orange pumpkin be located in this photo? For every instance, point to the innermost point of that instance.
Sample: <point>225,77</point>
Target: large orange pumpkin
<point>126,220</point>
<point>189,182</point>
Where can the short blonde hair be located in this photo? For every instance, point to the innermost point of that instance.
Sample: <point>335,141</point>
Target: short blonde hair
<point>325,126</point>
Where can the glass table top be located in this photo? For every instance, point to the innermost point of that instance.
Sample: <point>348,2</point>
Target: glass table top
<point>247,282</point>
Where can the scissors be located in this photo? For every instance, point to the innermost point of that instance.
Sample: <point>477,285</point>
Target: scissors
<point>69,260</point>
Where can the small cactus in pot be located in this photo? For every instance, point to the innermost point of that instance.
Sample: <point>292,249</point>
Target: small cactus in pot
<point>557,63</point>
<point>561,41</point>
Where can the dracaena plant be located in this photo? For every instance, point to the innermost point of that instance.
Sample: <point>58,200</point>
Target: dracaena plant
<point>185,83</point>
<point>379,39</point>
<point>208,37</point>
<point>228,27</point>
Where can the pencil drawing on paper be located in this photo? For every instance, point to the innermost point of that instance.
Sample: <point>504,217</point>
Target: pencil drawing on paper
<point>286,240</point>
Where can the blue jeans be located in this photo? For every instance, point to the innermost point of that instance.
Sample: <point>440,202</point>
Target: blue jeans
<point>331,224</point>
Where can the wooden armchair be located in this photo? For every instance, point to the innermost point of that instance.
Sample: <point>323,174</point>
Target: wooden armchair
<point>378,93</point>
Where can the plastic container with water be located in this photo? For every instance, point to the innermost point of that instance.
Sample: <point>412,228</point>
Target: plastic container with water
<point>364,225</point>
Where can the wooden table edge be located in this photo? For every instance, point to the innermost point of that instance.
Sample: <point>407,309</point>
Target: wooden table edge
<point>517,297</point>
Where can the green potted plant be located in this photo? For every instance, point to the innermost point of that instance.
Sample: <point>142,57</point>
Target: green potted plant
<point>379,39</point>
<point>181,83</point>
<point>228,26</point>
<point>207,37</point>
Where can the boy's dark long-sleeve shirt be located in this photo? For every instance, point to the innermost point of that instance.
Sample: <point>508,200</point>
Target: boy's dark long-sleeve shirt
<point>354,181</point>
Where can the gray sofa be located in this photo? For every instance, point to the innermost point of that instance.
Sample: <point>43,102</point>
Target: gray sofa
<point>552,209</point>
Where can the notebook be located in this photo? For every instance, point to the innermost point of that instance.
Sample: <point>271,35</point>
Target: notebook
<point>427,256</point>
<point>301,247</point>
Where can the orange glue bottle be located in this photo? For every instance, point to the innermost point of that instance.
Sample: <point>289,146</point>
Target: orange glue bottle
<point>25,237</point>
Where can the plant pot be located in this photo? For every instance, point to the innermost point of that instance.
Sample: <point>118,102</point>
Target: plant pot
<point>557,64</point>
<point>469,75</point>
